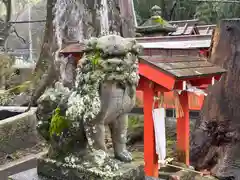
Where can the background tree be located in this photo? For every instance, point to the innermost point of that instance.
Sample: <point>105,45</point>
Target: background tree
<point>45,66</point>
<point>18,36</point>
<point>215,144</point>
<point>209,12</point>
<point>212,12</point>
<point>5,26</point>
<point>74,21</point>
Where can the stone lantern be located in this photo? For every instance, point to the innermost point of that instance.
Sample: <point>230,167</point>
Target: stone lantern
<point>155,25</point>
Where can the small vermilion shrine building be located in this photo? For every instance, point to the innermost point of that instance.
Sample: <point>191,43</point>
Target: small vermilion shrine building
<point>167,65</point>
<point>164,75</point>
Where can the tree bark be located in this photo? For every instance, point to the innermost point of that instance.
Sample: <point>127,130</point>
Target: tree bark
<point>91,26</point>
<point>45,64</point>
<point>8,4</point>
<point>127,18</point>
<point>49,40</point>
<point>215,142</point>
<point>7,26</point>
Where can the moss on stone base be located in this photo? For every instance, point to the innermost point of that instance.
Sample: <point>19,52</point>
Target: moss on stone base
<point>58,123</point>
<point>90,171</point>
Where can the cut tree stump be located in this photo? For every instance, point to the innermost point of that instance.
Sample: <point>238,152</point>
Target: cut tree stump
<point>215,144</point>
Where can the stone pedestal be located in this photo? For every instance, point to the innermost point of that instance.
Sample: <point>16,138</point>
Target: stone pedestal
<point>87,170</point>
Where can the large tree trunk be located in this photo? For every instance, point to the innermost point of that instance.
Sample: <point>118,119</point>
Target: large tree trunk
<point>77,20</point>
<point>215,144</point>
<point>7,26</point>
<point>48,45</point>
<point>45,71</point>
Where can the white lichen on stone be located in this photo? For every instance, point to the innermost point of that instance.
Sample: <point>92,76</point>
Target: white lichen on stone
<point>54,93</point>
<point>106,59</point>
<point>100,157</point>
<point>97,66</point>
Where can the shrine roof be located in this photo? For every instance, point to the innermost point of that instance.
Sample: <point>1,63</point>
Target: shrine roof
<point>186,27</point>
<point>174,38</point>
<point>158,42</point>
<point>177,44</point>
<point>184,22</point>
<point>181,67</point>
<point>206,29</point>
<point>184,30</point>
<point>73,48</point>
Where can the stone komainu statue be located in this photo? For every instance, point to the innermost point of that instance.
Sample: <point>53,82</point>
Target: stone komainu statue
<point>72,119</point>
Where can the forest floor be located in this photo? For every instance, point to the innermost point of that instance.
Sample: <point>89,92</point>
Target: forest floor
<point>40,147</point>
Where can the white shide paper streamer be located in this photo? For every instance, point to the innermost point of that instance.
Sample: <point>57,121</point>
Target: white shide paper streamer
<point>160,134</point>
<point>193,89</point>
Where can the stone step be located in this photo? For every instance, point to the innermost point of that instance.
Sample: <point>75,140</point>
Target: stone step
<point>23,164</point>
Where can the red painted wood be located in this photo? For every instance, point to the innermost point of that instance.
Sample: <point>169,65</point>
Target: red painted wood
<point>168,97</point>
<point>218,77</point>
<point>150,156</point>
<point>183,131</point>
<point>140,86</point>
<point>159,88</point>
<point>157,76</point>
<point>197,82</point>
<point>201,84</point>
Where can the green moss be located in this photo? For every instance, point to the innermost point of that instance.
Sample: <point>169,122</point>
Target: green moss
<point>159,20</point>
<point>95,58</point>
<point>58,123</point>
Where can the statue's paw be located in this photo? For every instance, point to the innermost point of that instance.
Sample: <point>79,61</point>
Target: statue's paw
<point>124,156</point>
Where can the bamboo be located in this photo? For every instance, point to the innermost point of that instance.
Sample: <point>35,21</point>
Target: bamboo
<point>185,169</point>
<point>169,160</point>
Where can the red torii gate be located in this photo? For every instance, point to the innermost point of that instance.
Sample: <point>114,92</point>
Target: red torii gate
<point>164,74</point>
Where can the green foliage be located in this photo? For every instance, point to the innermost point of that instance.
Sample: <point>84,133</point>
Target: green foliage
<point>58,123</point>
<point>7,71</point>
<point>213,12</point>
<point>135,122</point>
<point>20,88</point>
<point>95,58</point>
<point>207,12</point>
<point>143,7</point>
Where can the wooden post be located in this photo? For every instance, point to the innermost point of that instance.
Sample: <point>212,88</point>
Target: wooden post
<point>150,156</point>
<point>183,131</point>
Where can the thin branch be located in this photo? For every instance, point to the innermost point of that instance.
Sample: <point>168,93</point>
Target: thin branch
<point>172,10</point>
<point>8,5</point>
<point>14,31</point>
